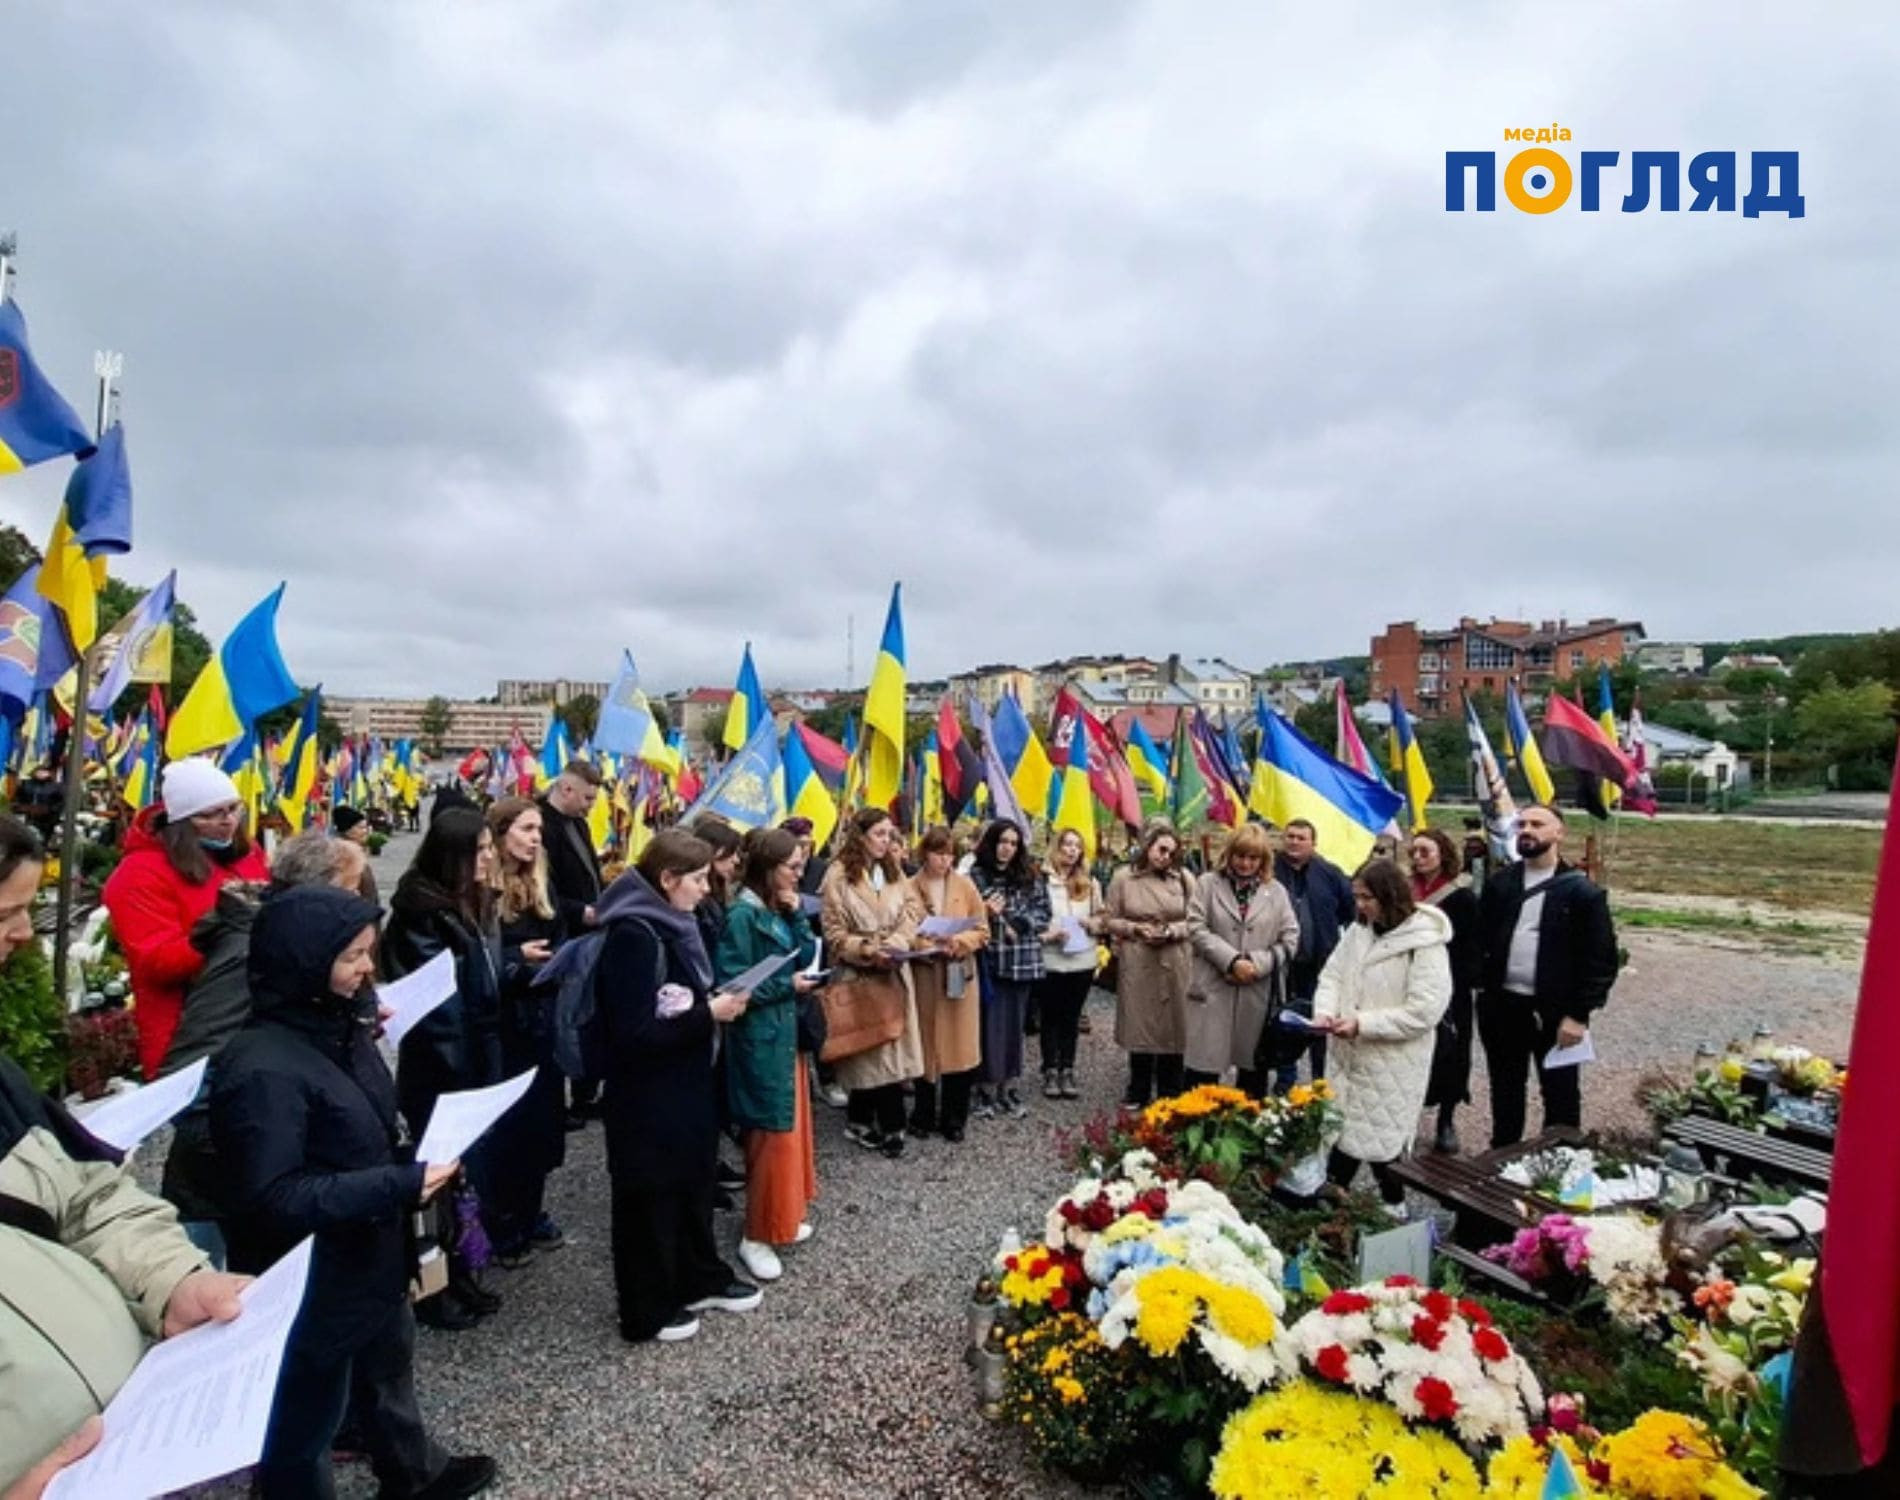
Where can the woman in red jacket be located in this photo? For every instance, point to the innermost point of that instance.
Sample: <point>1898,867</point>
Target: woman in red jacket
<point>177,855</point>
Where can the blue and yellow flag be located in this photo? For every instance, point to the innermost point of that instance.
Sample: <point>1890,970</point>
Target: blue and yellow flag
<point>554,751</point>
<point>749,790</point>
<point>1294,778</point>
<point>141,778</point>
<point>243,682</point>
<point>35,421</point>
<point>1607,790</point>
<point>626,725</point>
<point>245,764</point>
<point>300,771</point>
<point>1407,763</point>
<point>1520,746</point>
<point>884,712</point>
<point>1031,773</point>
<point>1150,768</point>
<point>34,652</point>
<point>806,793</point>
<point>141,646</point>
<point>1075,806</point>
<point>748,708</point>
<point>71,582</point>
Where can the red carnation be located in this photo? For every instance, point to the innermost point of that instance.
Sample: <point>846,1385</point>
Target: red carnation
<point>1491,1344</point>
<point>1439,1306</point>
<point>1475,1312</point>
<point>1401,1281</point>
<point>1009,1263</point>
<point>1599,1471</point>
<point>1341,1303</point>
<point>1070,1213</point>
<point>1435,1399</point>
<point>1331,1362</point>
<point>1428,1333</point>
<point>1059,1298</point>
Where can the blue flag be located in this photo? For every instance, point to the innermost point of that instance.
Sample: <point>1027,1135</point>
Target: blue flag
<point>748,792</point>
<point>99,497</point>
<point>35,422</point>
<point>34,652</point>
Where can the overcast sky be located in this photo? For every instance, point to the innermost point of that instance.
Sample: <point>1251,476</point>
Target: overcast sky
<point>512,334</point>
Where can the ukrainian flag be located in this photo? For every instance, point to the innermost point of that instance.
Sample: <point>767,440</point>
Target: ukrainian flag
<point>300,772</point>
<point>1150,768</point>
<point>1521,746</point>
<point>141,782</point>
<point>71,582</point>
<point>1076,806</point>
<point>1407,762</point>
<point>35,422</point>
<point>627,727</point>
<point>554,750</point>
<point>805,789</point>
<point>748,709</point>
<point>884,712</point>
<point>1608,791</point>
<point>243,682</point>
<point>1294,778</point>
<point>245,764</point>
<point>1028,765</point>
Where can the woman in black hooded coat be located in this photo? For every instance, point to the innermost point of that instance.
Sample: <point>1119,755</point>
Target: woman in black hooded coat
<point>303,1113</point>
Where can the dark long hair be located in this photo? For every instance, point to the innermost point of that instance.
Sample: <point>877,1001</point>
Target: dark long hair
<point>188,855</point>
<point>1020,870</point>
<point>1385,882</point>
<point>723,839</point>
<point>855,858</point>
<point>443,872</point>
<point>19,844</point>
<point>766,850</point>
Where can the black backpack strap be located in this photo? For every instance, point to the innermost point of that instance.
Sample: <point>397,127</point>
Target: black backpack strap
<point>30,1218</point>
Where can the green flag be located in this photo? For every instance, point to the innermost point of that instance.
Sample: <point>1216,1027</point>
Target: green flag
<point>1188,805</point>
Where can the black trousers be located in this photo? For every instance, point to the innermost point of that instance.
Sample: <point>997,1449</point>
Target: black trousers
<point>944,1105</point>
<point>1302,982</point>
<point>1247,1080</point>
<point>1341,1169</point>
<point>1517,1033</point>
<point>375,1384</point>
<point>1153,1073</point>
<point>1061,998</point>
<point>665,1255</point>
<point>882,1107</point>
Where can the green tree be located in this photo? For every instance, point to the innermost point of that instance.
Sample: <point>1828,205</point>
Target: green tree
<point>436,721</point>
<point>1844,722</point>
<point>581,714</point>
<point>17,554</point>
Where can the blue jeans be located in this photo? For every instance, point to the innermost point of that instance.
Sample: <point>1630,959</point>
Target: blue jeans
<point>208,1236</point>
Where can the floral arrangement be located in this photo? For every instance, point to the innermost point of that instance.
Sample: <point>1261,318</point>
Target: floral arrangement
<point>1434,1358</point>
<point>1219,1134</point>
<point>1582,1178</point>
<point>101,1045</point>
<point>1304,1440</point>
<point>1746,1315</point>
<point>1065,1389</point>
<point>1803,1072</point>
<point>1620,1254</point>
<point>1716,1094</point>
<point>1662,1455</point>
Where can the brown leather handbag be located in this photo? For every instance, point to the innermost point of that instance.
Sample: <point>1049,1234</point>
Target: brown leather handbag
<point>861,1014</point>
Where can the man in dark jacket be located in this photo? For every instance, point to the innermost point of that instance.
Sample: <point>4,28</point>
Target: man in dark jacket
<point>303,1112</point>
<point>1549,962</point>
<point>1321,894</point>
<point>574,879</point>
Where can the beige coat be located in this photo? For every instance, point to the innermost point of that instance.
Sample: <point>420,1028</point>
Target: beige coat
<point>951,1029</point>
<point>1396,984</point>
<point>75,1316</point>
<point>860,921</point>
<point>1151,996</point>
<point>1224,1019</point>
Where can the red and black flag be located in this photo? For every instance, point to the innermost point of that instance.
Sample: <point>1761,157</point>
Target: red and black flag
<point>1570,737</point>
<point>957,763</point>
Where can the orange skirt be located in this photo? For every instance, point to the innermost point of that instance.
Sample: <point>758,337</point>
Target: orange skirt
<point>781,1171</point>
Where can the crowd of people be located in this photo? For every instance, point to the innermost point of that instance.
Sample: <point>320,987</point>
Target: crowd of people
<point>707,994</point>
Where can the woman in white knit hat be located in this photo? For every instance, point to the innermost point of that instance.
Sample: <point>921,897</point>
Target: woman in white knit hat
<point>178,853</point>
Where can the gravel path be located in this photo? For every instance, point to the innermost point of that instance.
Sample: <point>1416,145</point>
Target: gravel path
<point>848,1382</point>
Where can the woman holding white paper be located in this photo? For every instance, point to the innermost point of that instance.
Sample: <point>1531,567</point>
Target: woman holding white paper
<point>660,1020</point>
<point>1068,960</point>
<point>303,1112</point>
<point>949,1012</point>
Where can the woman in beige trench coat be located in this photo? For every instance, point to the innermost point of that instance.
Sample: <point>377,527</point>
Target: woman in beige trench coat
<point>869,912</point>
<point>1243,931</point>
<point>949,1013</point>
<point>1147,909</point>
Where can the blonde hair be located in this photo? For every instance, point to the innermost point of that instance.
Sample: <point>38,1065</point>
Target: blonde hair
<point>1249,838</point>
<point>1078,881</point>
<point>520,890</point>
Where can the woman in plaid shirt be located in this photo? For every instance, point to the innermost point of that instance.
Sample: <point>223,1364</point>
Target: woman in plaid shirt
<point>1018,904</point>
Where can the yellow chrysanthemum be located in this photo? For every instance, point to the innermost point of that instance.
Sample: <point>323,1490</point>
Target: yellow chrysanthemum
<point>1665,1455</point>
<point>1521,1469</point>
<point>1069,1389</point>
<point>1302,1442</point>
<point>1241,1315</point>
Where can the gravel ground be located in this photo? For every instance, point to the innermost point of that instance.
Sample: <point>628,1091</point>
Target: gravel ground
<point>847,1382</point>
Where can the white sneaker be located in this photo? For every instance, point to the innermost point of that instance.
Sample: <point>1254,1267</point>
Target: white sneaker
<point>805,1232</point>
<point>1399,1213</point>
<point>836,1097</point>
<point>761,1260</point>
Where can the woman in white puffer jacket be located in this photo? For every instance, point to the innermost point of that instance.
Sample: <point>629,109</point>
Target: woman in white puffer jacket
<point>1380,996</point>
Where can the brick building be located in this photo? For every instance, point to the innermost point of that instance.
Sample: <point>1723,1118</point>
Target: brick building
<point>1432,669</point>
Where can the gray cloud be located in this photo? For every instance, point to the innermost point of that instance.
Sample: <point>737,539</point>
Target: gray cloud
<point>514,334</point>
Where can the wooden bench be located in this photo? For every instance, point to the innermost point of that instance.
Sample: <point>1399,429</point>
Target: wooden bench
<point>1749,1153</point>
<point>1475,1265</point>
<point>1486,1209</point>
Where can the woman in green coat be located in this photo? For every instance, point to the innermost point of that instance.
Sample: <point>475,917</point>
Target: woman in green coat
<point>763,1070</point>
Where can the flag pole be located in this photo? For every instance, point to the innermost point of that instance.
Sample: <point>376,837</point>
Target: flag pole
<point>107,366</point>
